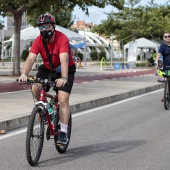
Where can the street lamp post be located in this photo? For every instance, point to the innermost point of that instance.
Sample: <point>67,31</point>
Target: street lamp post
<point>111,55</point>
<point>111,58</point>
<point>85,42</point>
<point>2,49</point>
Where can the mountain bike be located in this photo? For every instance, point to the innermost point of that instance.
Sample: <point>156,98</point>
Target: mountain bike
<point>167,88</point>
<point>165,72</point>
<point>38,118</point>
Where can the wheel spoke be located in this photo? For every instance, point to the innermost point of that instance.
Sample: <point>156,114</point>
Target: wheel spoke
<point>35,137</point>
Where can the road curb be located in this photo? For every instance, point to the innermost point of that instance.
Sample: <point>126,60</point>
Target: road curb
<point>114,98</point>
<point>22,121</point>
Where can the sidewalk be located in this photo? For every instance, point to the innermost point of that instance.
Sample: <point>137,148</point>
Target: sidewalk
<point>17,106</point>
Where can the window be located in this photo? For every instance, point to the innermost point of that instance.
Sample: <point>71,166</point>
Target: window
<point>12,23</point>
<point>24,24</point>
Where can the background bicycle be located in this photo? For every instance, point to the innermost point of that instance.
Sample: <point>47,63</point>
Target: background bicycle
<point>164,71</point>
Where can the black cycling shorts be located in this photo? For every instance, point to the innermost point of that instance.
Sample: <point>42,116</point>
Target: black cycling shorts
<point>44,73</point>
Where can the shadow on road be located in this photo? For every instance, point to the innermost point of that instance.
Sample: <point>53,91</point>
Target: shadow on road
<point>112,147</point>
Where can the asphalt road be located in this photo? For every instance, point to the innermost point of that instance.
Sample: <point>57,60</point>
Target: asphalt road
<point>132,134</point>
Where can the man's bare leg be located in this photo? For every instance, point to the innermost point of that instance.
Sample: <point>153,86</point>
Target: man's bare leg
<point>64,109</point>
<point>35,90</point>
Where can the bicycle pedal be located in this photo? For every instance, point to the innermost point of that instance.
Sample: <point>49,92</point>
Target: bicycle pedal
<point>59,144</point>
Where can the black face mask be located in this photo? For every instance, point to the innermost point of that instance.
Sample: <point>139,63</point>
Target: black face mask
<point>47,34</point>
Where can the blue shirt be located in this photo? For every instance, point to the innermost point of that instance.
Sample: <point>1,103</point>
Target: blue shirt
<point>165,52</point>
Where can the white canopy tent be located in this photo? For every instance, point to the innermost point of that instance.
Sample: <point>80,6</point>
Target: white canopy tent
<point>143,43</point>
<point>31,33</point>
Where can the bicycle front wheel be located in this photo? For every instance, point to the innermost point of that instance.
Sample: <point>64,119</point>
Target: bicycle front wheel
<point>167,95</point>
<point>35,136</point>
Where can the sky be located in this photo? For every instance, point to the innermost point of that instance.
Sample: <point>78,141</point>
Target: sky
<point>4,20</point>
<point>96,15</point>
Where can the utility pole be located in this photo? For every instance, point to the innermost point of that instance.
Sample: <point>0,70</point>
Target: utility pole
<point>111,57</point>
<point>112,42</point>
<point>85,41</point>
<point>2,41</point>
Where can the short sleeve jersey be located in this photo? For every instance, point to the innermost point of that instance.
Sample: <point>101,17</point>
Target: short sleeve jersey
<point>164,50</point>
<point>60,45</point>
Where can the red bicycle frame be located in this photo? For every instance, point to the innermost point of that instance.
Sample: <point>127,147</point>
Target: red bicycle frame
<point>43,98</point>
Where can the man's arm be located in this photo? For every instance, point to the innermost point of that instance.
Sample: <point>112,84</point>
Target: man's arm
<point>64,70</point>
<point>64,64</point>
<point>27,66</point>
<point>157,58</point>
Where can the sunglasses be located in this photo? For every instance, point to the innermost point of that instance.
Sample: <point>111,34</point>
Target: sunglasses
<point>44,26</point>
<point>167,36</point>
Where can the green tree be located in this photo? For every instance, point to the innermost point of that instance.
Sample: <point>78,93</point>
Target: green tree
<point>24,54</point>
<point>136,21</point>
<point>80,55</point>
<point>1,24</point>
<point>94,55</point>
<point>102,54</point>
<point>123,23</point>
<point>63,17</point>
<point>16,8</point>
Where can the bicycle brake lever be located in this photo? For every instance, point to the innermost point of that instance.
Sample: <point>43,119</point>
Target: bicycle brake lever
<point>53,84</point>
<point>19,81</point>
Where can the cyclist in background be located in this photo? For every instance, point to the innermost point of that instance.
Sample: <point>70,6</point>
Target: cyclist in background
<point>164,51</point>
<point>152,60</point>
<point>60,69</point>
<point>154,55</point>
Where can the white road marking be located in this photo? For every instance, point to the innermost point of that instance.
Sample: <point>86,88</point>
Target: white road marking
<point>14,92</point>
<point>13,133</point>
<point>113,104</point>
<point>17,132</point>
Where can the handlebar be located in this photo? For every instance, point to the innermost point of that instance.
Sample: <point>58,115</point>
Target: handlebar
<point>164,67</point>
<point>161,66</point>
<point>44,82</point>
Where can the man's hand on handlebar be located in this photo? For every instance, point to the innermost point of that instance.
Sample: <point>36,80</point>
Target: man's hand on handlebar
<point>57,83</point>
<point>23,78</point>
<point>61,82</point>
<point>156,64</point>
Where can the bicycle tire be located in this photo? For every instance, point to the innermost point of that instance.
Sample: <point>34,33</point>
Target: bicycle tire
<point>36,131</point>
<point>167,95</point>
<point>63,148</point>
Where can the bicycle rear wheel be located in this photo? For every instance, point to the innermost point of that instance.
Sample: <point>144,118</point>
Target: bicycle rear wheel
<point>35,136</point>
<point>62,148</point>
<point>167,95</point>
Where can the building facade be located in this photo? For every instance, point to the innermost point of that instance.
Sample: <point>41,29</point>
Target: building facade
<point>10,23</point>
<point>81,25</point>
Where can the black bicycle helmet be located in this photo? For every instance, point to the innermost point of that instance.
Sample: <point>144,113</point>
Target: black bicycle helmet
<point>46,18</point>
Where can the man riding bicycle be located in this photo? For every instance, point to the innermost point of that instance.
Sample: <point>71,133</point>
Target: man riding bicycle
<point>58,65</point>
<point>164,50</point>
